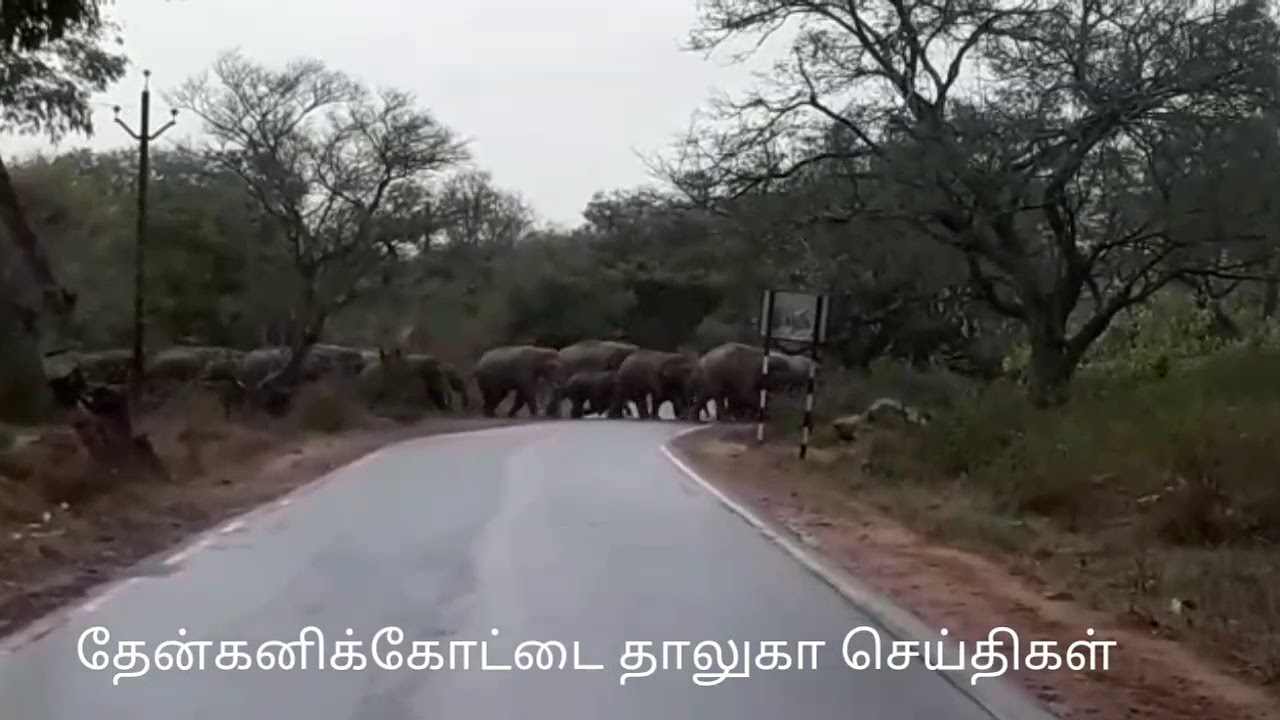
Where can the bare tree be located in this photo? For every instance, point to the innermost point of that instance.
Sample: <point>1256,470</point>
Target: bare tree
<point>342,170</point>
<point>1058,145</point>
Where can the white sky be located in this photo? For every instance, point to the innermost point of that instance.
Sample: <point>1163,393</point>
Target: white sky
<point>557,96</point>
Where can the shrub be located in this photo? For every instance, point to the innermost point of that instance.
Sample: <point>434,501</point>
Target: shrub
<point>1139,490</point>
<point>1212,426</point>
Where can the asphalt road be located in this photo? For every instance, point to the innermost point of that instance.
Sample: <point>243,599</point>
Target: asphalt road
<point>573,531</point>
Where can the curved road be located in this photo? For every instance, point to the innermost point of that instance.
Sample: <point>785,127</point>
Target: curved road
<point>573,531</point>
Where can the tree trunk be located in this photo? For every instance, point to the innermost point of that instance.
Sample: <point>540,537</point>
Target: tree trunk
<point>1049,382</point>
<point>24,394</point>
<point>1053,364</point>
<point>58,301</point>
<point>1222,325</point>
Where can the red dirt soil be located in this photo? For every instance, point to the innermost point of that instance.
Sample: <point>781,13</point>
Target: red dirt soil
<point>1149,677</point>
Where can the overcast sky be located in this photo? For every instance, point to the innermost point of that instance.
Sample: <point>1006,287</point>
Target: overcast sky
<point>556,95</point>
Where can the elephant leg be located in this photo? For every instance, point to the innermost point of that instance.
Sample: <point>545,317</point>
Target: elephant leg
<point>725,411</point>
<point>437,398</point>
<point>617,404</point>
<point>643,408</point>
<point>519,401</point>
<point>553,404</point>
<point>491,400</point>
<point>577,409</point>
<point>525,396</point>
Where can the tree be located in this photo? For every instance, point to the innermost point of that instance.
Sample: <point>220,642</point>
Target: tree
<point>28,25</point>
<point>55,59</point>
<point>343,171</point>
<point>1054,145</point>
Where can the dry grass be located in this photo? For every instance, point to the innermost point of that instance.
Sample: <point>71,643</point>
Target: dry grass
<point>1138,494</point>
<point>327,408</point>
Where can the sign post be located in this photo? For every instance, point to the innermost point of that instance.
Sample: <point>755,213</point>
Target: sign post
<point>766,327</point>
<point>819,333</point>
<point>792,321</point>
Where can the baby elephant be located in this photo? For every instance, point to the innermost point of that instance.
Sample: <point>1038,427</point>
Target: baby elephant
<point>590,391</point>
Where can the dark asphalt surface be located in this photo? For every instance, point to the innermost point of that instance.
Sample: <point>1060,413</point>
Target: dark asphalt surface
<point>574,531</point>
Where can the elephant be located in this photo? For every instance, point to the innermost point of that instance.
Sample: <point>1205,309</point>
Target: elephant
<point>453,379</point>
<point>649,378</point>
<point>519,369</point>
<point>790,373</point>
<point>222,368</point>
<point>590,356</point>
<point>187,363</point>
<point>259,363</point>
<point>388,373</point>
<point>112,367</point>
<point>345,362</point>
<point>590,391</point>
<point>439,380</point>
<point>731,376</point>
<point>322,360</point>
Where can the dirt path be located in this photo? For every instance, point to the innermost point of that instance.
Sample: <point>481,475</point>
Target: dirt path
<point>1149,677</point>
<point>51,555</point>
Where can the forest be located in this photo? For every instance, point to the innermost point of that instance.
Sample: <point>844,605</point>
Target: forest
<point>1051,226</point>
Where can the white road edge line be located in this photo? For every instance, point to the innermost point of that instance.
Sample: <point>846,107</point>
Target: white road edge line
<point>1002,700</point>
<point>99,596</point>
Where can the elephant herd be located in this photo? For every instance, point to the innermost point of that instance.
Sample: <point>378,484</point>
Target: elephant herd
<point>607,377</point>
<point>378,374</point>
<point>595,377</point>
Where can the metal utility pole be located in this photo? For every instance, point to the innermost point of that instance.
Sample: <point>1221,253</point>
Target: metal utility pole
<point>144,136</point>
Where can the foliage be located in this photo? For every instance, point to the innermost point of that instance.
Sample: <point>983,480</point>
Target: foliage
<point>47,90</point>
<point>31,24</point>
<point>1086,172</point>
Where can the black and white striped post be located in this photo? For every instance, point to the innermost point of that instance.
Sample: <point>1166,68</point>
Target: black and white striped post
<point>807,429</point>
<point>766,320</point>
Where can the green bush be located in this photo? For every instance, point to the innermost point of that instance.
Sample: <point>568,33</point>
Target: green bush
<point>1212,424</point>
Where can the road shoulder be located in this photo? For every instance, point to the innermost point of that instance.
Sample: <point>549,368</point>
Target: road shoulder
<point>968,593</point>
<point>54,556</point>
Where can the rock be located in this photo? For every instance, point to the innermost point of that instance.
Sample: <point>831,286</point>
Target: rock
<point>847,426</point>
<point>889,407</point>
